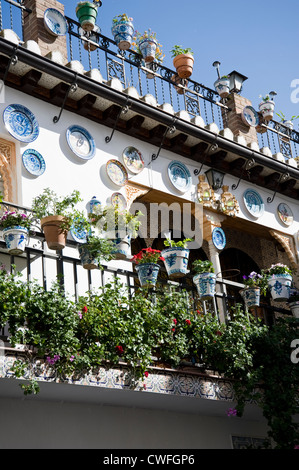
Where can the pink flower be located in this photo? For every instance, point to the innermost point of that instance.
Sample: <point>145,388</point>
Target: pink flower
<point>231,412</point>
<point>80,315</point>
<point>175,321</point>
<point>72,358</point>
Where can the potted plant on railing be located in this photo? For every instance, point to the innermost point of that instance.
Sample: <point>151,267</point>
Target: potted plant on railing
<point>222,86</point>
<point>56,214</point>
<point>176,257</point>
<point>15,226</point>
<point>147,44</point>
<point>94,249</point>
<point>294,304</point>
<point>266,107</point>
<point>183,61</point>
<point>123,31</point>
<point>86,13</point>
<point>120,226</point>
<point>152,66</point>
<point>204,278</point>
<point>287,122</point>
<point>147,266</point>
<point>254,285</point>
<point>279,279</point>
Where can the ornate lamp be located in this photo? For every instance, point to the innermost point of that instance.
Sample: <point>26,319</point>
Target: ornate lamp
<point>215,178</point>
<point>236,81</point>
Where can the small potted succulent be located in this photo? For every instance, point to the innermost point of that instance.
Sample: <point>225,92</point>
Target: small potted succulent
<point>254,284</point>
<point>183,61</point>
<point>204,278</point>
<point>279,279</point>
<point>15,226</point>
<point>86,13</point>
<point>123,31</point>
<point>147,266</point>
<point>176,257</point>
<point>266,107</point>
<point>56,214</point>
<point>222,86</point>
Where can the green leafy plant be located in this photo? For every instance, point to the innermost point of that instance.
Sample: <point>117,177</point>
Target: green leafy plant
<point>283,117</point>
<point>179,244</point>
<point>178,50</point>
<point>114,219</point>
<point>123,18</point>
<point>12,218</point>
<point>149,34</point>
<point>199,266</point>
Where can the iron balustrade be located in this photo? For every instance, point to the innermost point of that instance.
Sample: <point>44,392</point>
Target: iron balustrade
<point>279,139</point>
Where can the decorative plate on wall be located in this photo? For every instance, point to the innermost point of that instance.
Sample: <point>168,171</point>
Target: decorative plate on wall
<point>249,116</point>
<point>33,162</point>
<point>133,160</point>
<point>118,199</point>
<point>81,142</point>
<point>80,236</point>
<point>55,22</point>
<point>285,214</point>
<point>21,123</point>
<point>218,238</point>
<point>179,176</point>
<point>117,172</point>
<point>253,202</point>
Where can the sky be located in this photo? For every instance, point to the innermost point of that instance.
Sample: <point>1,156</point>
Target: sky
<point>258,38</point>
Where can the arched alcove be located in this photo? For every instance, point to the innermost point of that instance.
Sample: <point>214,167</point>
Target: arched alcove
<point>238,263</point>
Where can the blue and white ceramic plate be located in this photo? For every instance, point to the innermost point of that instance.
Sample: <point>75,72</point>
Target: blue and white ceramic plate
<point>33,162</point>
<point>249,116</point>
<point>80,236</point>
<point>253,202</point>
<point>81,142</point>
<point>20,122</point>
<point>55,22</point>
<point>285,214</point>
<point>218,238</point>
<point>133,160</point>
<point>179,176</point>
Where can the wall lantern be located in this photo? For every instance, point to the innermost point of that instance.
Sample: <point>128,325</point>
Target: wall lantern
<point>215,178</point>
<point>236,81</point>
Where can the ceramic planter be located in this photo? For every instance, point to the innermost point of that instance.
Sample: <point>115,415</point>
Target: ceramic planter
<point>148,49</point>
<point>147,274</point>
<point>222,87</point>
<point>176,261</point>
<point>123,34</point>
<point>16,239</point>
<point>294,306</point>
<point>87,260</point>
<point>122,247</point>
<point>55,236</point>
<point>251,296</point>
<point>87,14</point>
<point>184,65</point>
<point>179,81</point>
<point>267,109</point>
<point>205,284</point>
<point>280,285</point>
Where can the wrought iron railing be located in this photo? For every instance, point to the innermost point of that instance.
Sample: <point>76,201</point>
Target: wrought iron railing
<point>280,139</point>
<point>12,15</point>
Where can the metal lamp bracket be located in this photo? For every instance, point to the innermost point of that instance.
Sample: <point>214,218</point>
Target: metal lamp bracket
<point>249,164</point>
<point>71,89</point>
<point>213,147</point>
<point>123,110</point>
<point>282,179</point>
<point>171,129</point>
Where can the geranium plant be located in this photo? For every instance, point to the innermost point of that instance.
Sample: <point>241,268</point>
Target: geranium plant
<point>199,266</point>
<point>147,255</point>
<point>13,218</point>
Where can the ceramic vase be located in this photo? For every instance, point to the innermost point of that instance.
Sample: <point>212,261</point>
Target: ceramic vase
<point>147,274</point>
<point>148,49</point>
<point>251,296</point>
<point>123,34</point>
<point>222,87</point>
<point>267,109</point>
<point>16,239</point>
<point>280,285</point>
<point>87,260</point>
<point>176,261</point>
<point>205,285</point>
<point>122,247</point>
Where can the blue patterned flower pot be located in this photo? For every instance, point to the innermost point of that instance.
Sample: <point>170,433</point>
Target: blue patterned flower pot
<point>222,87</point>
<point>294,306</point>
<point>148,49</point>
<point>123,34</point>
<point>87,260</point>
<point>122,247</point>
<point>16,239</point>
<point>251,297</point>
<point>205,284</point>
<point>176,261</point>
<point>147,274</point>
<point>280,286</point>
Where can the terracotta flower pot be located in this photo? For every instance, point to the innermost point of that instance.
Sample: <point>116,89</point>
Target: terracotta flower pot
<point>184,65</point>
<point>55,236</point>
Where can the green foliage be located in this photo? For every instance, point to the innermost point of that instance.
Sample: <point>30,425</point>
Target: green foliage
<point>49,203</point>
<point>177,50</point>
<point>199,266</point>
<point>110,325</point>
<point>283,117</point>
<point>179,244</point>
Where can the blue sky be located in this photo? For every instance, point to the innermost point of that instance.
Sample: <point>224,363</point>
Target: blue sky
<point>258,38</point>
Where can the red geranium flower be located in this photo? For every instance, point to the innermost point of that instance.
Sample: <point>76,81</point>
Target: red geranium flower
<point>84,309</point>
<point>188,322</point>
<point>119,349</point>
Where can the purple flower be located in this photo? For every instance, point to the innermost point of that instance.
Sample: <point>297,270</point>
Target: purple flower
<point>72,358</point>
<point>231,412</point>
